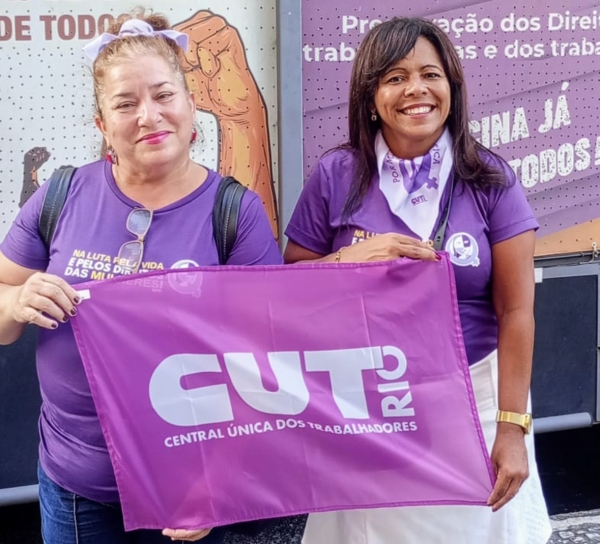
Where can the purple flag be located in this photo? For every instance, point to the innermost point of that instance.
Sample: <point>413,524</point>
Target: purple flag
<point>237,393</point>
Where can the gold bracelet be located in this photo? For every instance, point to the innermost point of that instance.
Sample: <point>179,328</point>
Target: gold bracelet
<point>338,256</point>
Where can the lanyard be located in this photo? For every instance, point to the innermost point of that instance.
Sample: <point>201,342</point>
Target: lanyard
<point>438,239</point>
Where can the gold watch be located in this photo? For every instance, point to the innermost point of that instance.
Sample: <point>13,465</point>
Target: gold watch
<point>522,420</point>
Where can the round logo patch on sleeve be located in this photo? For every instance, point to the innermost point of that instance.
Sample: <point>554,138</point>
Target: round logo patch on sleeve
<point>463,249</point>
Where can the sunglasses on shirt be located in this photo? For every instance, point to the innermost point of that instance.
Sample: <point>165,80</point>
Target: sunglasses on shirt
<point>131,253</point>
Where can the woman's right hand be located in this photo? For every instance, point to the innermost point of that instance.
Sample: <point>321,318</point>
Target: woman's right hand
<point>44,300</point>
<point>387,247</point>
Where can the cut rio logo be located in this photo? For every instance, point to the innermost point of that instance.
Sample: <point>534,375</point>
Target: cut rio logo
<point>212,403</point>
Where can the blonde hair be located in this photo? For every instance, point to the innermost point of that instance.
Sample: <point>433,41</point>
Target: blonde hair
<point>130,48</point>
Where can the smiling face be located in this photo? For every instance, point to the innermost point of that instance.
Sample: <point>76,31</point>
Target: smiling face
<point>147,114</point>
<point>413,101</point>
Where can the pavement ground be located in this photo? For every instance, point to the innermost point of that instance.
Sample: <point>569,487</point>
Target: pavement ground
<point>579,528</point>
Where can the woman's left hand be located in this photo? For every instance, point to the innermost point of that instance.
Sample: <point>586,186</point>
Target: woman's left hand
<point>183,534</point>
<point>509,459</point>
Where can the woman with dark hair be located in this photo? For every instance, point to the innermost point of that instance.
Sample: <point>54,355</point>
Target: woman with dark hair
<point>411,180</point>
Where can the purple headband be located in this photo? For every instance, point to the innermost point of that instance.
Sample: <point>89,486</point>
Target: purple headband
<point>133,27</point>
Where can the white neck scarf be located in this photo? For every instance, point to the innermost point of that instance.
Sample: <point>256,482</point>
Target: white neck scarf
<point>413,188</point>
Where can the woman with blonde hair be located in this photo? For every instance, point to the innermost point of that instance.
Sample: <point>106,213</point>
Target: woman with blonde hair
<point>146,206</point>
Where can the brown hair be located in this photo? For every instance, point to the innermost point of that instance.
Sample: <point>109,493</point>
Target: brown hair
<point>129,48</point>
<point>384,46</point>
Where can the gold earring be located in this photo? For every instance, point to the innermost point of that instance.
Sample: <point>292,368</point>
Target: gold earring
<point>373,117</point>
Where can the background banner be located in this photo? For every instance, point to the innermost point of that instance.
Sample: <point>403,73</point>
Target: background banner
<point>46,95</point>
<point>532,70</point>
<point>254,392</point>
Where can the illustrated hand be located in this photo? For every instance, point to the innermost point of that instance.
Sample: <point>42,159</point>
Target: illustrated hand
<point>509,458</point>
<point>183,534</point>
<point>45,300</point>
<point>35,158</point>
<point>387,247</point>
<point>217,74</point>
<point>32,161</point>
<point>216,67</point>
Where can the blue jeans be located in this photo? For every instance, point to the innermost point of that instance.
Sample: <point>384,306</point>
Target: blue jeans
<point>70,519</point>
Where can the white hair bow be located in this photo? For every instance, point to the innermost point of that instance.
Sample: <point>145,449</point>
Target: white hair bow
<point>133,27</point>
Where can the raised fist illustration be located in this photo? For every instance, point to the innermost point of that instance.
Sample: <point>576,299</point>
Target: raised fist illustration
<point>32,161</point>
<point>216,67</point>
<point>218,75</point>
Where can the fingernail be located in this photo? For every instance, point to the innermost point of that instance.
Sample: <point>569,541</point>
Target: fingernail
<point>77,300</point>
<point>65,319</point>
<point>438,257</point>
<point>54,325</point>
<point>73,312</point>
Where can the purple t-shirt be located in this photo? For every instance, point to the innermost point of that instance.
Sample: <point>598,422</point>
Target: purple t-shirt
<point>88,236</point>
<point>478,219</point>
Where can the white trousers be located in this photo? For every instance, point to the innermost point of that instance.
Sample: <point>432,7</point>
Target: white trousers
<point>524,520</point>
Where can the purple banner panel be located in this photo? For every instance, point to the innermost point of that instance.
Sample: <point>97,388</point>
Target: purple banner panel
<point>532,70</point>
<point>253,392</point>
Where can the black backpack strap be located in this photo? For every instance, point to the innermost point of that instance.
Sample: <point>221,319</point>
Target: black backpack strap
<point>225,216</point>
<point>56,195</point>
